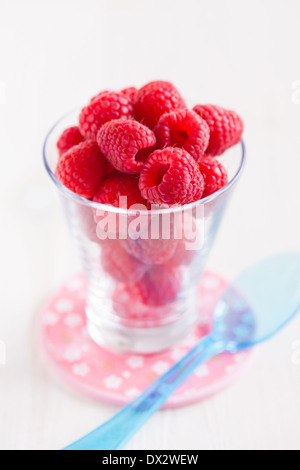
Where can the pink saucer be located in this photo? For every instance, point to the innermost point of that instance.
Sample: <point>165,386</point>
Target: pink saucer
<point>118,379</point>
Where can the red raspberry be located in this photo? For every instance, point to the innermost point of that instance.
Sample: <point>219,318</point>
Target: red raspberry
<point>130,92</point>
<point>99,95</point>
<point>226,128</point>
<point>183,128</point>
<point>109,169</point>
<point>159,286</point>
<point>82,168</point>
<point>117,185</point>
<point>119,264</point>
<point>103,109</point>
<point>157,239</point>
<point>68,139</point>
<point>189,231</point>
<point>151,251</point>
<point>171,176</point>
<point>155,99</point>
<point>128,301</point>
<point>126,144</point>
<point>182,256</point>
<point>214,174</point>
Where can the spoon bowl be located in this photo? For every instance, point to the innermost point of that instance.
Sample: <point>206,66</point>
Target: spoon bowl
<point>259,303</point>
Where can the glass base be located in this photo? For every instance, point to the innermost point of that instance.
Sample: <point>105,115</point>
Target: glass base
<point>123,339</point>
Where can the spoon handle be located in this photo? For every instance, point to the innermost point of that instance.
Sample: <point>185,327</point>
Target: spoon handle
<point>120,428</point>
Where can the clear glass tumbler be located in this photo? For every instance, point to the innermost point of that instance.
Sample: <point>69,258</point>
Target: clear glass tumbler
<point>143,267</point>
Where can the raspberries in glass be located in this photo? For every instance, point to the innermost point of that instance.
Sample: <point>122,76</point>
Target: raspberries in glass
<point>146,144</point>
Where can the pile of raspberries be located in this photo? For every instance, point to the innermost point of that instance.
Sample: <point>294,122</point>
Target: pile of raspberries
<point>146,145</point>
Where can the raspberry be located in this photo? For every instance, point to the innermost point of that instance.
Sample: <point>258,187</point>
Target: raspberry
<point>119,264</point>
<point>99,95</point>
<point>126,144</point>
<point>185,129</point>
<point>171,176</point>
<point>226,128</point>
<point>159,286</point>
<point>154,99</point>
<point>214,174</point>
<point>156,242</point>
<point>151,251</point>
<point>182,256</point>
<point>117,185</point>
<point>109,169</point>
<point>82,168</point>
<point>108,106</point>
<point>133,309</point>
<point>189,230</point>
<point>130,92</point>
<point>68,139</point>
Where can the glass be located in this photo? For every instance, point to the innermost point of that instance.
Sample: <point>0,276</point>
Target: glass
<point>143,267</point>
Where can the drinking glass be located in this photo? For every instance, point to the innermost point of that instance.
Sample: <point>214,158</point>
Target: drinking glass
<point>142,267</point>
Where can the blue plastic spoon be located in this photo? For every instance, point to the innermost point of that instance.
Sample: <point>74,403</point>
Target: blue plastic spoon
<point>261,301</point>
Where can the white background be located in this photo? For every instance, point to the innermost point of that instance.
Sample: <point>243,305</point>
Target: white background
<point>54,55</point>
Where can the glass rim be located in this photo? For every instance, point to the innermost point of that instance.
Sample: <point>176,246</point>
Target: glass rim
<point>104,207</point>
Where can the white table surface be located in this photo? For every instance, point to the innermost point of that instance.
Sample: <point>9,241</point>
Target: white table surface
<point>53,56</point>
